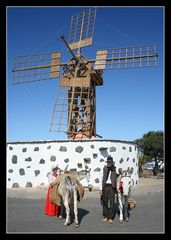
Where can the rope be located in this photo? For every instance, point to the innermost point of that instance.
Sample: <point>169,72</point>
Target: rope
<point>116,30</point>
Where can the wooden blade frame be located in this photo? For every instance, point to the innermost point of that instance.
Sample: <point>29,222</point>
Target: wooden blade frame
<point>59,120</point>
<point>130,57</point>
<point>82,29</point>
<point>37,67</point>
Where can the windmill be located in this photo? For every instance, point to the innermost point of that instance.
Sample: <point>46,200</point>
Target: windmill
<point>74,110</point>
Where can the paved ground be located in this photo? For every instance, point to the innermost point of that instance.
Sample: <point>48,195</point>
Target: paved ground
<point>25,212</point>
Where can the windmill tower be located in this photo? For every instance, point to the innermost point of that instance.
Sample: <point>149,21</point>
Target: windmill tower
<point>75,106</point>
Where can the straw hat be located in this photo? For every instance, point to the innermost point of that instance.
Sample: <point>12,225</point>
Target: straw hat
<point>56,166</point>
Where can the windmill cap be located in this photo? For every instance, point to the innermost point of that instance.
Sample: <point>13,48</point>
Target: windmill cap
<point>110,159</point>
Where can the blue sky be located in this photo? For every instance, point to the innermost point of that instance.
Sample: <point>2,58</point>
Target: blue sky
<point>131,101</point>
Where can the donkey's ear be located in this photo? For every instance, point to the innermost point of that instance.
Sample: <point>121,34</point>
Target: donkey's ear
<point>65,170</point>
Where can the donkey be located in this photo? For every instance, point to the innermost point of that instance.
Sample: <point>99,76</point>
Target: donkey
<point>68,190</point>
<point>124,184</point>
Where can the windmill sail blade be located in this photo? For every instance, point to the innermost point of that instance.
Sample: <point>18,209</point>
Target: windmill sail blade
<point>130,57</point>
<point>82,29</point>
<point>74,110</point>
<point>59,121</point>
<point>37,67</point>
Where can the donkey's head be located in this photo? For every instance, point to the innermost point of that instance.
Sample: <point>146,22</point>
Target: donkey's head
<point>125,183</point>
<point>83,174</point>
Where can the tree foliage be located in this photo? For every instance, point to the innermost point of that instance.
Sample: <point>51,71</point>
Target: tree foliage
<point>151,146</point>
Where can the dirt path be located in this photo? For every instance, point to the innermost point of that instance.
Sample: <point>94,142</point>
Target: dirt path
<point>146,185</point>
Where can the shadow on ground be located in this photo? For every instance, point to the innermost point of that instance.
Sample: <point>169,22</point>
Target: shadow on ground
<point>81,214</point>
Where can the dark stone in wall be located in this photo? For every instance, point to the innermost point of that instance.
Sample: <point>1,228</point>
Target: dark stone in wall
<point>28,159</point>
<point>92,146</point>
<point>28,184</point>
<point>79,149</point>
<point>124,148</point>
<point>96,180</point>
<point>10,148</point>
<point>53,158</point>
<point>10,170</point>
<point>14,159</point>
<point>79,165</point>
<point>15,185</point>
<point>130,149</point>
<point>22,171</point>
<point>9,179</point>
<point>28,166</point>
<point>42,161</point>
<point>63,149</point>
<point>37,172</point>
<point>97,169</point>
<point>66,160</point>
<point>101,160</point>
<point>133,159</point>
<point>87,160</point>
<point>49,147</point>
<point>36,149</point>
<point>95,155</point>
<point>112,149</point>
<point>127,158</point>
<point>121,160</point>
<point>24,149</point>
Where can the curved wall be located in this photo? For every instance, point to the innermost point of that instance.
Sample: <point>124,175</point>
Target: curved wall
<point>29,162</point>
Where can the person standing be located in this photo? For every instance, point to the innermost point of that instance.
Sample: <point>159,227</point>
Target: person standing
<point>50,208</point>
<point>108,190</point>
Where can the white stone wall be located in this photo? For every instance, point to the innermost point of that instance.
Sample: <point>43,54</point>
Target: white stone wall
<point>29,162</point>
